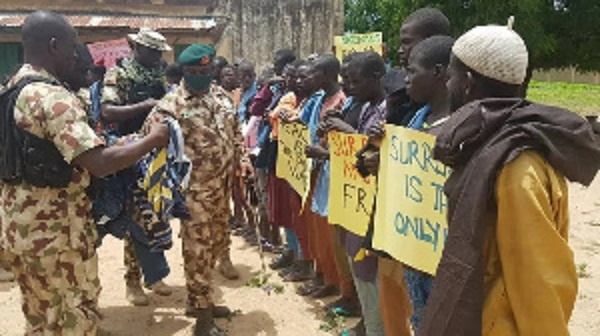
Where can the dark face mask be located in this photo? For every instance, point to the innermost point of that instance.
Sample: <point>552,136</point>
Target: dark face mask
<point>198,82</point>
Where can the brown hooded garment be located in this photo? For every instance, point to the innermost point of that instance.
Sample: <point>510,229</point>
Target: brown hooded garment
<point>477,141</point>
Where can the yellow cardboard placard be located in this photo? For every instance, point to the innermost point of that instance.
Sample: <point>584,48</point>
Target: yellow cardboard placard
<point>411,223</point>
<point>351,196</point>
<point>351,43</point>
<point>292,163</point>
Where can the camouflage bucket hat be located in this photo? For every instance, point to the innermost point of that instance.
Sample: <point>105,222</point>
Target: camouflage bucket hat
<point>151,39</point>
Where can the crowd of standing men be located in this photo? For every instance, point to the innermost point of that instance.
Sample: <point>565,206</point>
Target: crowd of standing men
<point>203,133</point>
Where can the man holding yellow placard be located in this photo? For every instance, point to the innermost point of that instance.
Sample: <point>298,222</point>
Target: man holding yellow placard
<point>410,222</point>
<point>365,73</point>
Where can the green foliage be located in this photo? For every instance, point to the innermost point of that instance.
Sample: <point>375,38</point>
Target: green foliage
<point>332,322</point>
<point>262,281</point>
<point>559,33</point>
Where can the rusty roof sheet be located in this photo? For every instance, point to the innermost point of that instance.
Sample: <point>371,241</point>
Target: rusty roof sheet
<point>14,20</point>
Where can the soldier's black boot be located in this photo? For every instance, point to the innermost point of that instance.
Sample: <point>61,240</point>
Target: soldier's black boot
<point>205,324</point>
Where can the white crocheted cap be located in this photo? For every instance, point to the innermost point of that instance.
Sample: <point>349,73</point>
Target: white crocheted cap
<point>493,51</point>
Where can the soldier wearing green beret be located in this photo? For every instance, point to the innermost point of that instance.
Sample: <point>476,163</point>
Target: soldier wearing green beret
<point>214,144</point>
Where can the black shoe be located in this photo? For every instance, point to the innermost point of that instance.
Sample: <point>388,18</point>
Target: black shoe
<point>234,224</point>
<point>303,273</point>
<point>284,260</point>
<point>239,231</point>
<point>221,312</point>
<point>205,324</point>
<point>289,269</point>
<point>324,291</point>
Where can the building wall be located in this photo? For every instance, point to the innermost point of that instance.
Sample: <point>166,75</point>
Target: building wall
<point>260,27</point>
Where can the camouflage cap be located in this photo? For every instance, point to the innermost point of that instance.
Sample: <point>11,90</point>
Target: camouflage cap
<point>197,54</point>
<point>151,39</point>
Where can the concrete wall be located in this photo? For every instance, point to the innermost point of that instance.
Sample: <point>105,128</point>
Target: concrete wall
<point>260,27</point>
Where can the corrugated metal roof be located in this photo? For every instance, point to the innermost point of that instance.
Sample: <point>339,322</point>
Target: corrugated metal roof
<point>13,20</point>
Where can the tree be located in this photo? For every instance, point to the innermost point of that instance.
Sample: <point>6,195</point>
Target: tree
<point>558,33</point>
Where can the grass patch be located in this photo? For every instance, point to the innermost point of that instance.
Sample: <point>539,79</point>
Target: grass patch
<point>262,282</point>
<point>583,99</point>
<point>332,322</point>
<point>582,271</point>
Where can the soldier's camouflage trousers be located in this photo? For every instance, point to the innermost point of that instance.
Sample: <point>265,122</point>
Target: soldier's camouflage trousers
<point>204,238</point>
<point>133,273</point>
<point>59,293</point>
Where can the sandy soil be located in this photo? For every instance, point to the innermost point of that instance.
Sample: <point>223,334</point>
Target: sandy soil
<point>287,314</point>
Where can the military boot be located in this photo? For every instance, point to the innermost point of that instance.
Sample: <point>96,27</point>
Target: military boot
<point>160,288</point>
<point>136,295</point>
<point>217,311</point>
<point>205,324</point>
<point>226,268</point>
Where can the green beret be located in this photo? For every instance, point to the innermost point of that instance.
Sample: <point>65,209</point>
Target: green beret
<point>197,54</point>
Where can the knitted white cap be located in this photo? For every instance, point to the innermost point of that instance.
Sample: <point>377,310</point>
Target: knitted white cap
<point>494,51</point>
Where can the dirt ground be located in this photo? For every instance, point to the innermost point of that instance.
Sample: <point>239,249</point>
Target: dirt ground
<point>287,314</point>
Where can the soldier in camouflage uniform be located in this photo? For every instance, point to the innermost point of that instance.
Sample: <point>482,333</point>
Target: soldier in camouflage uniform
<point>215,146</point>
<point>224,264</point>
<point>47,232</point>
<point>131,90</point>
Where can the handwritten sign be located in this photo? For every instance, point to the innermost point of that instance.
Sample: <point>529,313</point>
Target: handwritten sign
<point>351,43</point>
<point>108,52</point>
<point>410,223</point>
<point>292,163</point>
<point>351,196</point>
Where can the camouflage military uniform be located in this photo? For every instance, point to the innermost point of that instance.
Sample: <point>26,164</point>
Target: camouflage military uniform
<point>214,144</point>
<point>85,99</point>
<point>119,83</point>
<point>224,98</point>
<point>48,233</point>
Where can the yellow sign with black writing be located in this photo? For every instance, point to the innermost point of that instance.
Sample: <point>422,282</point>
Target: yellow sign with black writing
<point>411,223</point>
<point>351,43</point>
<point>292,163</point>
<point>351,196</point>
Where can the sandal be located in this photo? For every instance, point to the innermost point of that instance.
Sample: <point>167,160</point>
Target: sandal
<point>307,290</point>
<point>344,307</point>
<point>310,287</point>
